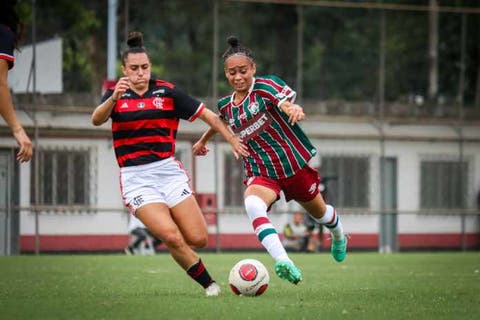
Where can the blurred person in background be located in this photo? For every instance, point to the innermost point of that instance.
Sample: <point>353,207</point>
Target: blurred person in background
<point>10,32</point>
<point>262,112</point>
<point>140,235</point>
<point>145,114</point>
<point>295,233</point>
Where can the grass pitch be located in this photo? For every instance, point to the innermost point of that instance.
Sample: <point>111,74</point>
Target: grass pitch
<point>365,286</point>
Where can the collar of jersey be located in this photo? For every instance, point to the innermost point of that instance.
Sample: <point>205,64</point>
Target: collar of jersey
<point>248,94</point>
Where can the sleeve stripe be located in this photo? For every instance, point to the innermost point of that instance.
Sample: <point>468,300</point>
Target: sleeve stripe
<point>198,112</point>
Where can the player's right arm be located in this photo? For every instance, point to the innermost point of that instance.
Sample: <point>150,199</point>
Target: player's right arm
<point>102,112</point>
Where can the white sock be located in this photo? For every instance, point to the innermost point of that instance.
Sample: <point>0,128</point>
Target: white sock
<point>264,229</point>
<point>331,220</point>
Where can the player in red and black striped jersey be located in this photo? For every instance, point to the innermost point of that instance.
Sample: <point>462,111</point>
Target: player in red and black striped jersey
<point>145,114</point>
<point>262,112</point>
<point>9,34</point>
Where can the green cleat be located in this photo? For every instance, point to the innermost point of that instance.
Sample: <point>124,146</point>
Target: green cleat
<point>339,249</point>
<point>287,271</point>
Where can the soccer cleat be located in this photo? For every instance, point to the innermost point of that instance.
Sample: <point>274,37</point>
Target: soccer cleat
<point>339,249</point>
<point>213,290</point>
<point>287,271</point>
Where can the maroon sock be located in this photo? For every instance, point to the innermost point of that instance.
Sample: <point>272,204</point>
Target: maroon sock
<point>199,273</point>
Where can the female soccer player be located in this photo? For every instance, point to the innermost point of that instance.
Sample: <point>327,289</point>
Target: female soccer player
<point>9,35</point>
<point>261,111</point>
<point>145,114</point>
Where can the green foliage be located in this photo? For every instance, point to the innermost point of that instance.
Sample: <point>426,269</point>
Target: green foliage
<point>341,45</point>
<point>365,286</point>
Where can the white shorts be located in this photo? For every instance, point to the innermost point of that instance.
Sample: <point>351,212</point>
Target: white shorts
<point>163,181</point>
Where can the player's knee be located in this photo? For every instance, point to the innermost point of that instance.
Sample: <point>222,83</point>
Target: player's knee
<point>198,240</point>
<point>173,240</point>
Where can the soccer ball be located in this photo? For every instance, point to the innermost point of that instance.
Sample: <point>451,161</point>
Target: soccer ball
<point>248,277</point>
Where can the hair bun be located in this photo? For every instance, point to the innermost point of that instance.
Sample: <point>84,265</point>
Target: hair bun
<point>233,41</point>
<point>135,39</point>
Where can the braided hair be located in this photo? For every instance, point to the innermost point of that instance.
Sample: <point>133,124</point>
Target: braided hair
<point>134,44</point>
<point>235,48</point>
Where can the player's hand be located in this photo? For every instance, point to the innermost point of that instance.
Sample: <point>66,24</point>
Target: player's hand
<point>238,147</point>
<point>123,84</point>
<point>200,149</point>
<point>295,113</point>
<point>23,141</point>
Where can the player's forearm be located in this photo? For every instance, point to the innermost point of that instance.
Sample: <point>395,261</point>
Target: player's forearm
<point>101,114</point>
<point>207,135</point>
<point>6,108</point>
<point>216,125</point>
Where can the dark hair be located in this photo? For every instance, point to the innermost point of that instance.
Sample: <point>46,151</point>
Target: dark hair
<point>9,17</point>
<point>134,44</point>
<point>237,48</point>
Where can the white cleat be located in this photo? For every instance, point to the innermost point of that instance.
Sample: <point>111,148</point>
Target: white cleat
<point>213,290</point>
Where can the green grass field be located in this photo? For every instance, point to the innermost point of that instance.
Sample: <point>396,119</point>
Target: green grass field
<point>366,286</point>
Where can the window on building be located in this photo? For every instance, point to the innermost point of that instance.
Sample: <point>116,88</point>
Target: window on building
<point>443,184</point>
<point>348,182</point>
<point>233,182</point>
<point>63,177</point>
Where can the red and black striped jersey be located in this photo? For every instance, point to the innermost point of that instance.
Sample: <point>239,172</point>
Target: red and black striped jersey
<point>7,45</point>
<point>144,128</point>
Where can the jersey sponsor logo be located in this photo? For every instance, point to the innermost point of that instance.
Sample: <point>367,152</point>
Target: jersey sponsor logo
<point>254,126</point>
<point>141,105</point>
<point>124,106</point>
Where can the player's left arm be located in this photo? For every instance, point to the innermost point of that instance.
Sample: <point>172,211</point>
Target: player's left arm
<point>293,111</point>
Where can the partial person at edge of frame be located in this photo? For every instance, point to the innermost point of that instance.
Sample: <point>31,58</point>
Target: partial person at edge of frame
<point>10,33</point>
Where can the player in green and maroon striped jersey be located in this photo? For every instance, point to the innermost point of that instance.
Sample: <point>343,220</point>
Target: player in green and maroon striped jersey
<point>262,112</point>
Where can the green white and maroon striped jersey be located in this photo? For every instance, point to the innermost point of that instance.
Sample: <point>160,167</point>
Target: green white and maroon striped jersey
<point>277,149</point>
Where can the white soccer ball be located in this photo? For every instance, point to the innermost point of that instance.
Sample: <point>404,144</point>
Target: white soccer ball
<point>249,277</point>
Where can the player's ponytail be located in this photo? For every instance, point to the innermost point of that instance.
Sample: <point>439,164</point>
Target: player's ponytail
<point>134,45</point>
<point>235,48</point>
<point>135,40</point>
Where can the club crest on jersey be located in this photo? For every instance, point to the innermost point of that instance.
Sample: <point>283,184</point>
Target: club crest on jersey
<point>158,103</point>
<point>253,108</point>
<point>141,105</point>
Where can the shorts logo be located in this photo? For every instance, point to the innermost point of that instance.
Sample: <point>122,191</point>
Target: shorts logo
<point>185,192</point>
<point>313,187</point>
<point>137,201</point>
